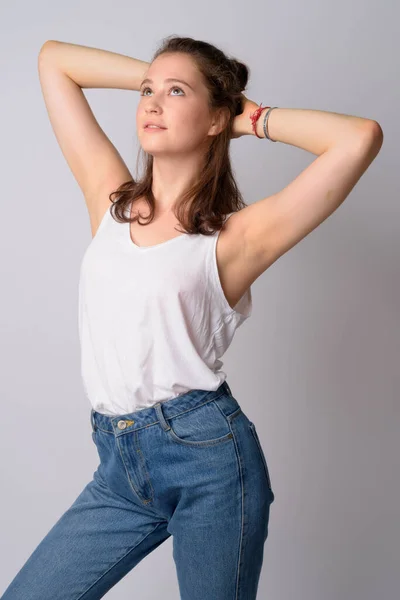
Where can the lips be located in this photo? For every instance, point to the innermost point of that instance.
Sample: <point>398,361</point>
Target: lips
<point>153,126</point>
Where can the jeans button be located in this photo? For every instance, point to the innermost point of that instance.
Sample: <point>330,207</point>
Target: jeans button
<point>121,424</point>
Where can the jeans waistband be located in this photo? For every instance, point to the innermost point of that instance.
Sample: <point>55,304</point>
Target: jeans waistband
<point>120,424</point>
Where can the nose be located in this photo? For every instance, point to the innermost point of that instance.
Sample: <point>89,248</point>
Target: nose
<point>152,109</point>
<point>152,105</point>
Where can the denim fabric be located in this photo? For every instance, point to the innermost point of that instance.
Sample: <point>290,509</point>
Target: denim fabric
<point>191,467</point>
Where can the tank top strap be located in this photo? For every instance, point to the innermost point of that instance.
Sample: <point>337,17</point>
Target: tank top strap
<point>228,215</point>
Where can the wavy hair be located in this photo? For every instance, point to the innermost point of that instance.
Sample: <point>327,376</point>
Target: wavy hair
<point>203,207</point>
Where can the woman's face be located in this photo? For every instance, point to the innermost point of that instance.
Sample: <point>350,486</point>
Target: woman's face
<point>179,106</point>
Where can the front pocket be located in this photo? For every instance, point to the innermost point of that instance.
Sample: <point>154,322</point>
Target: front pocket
<point>199,427</point>
<point>257,439</point>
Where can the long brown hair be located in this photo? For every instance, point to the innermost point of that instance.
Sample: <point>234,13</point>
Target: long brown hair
<point>215,194</point>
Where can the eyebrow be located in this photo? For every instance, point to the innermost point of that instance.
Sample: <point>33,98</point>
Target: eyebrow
<point>168,79</point>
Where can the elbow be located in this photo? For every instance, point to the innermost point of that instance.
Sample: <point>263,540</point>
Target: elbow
<point>377,136</point>
<point>372,138</point>
<point>375,132</point>
<point>48,44</point>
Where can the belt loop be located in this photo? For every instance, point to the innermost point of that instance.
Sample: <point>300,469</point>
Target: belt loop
<point>92,420</point>
<point>160,416</point>
<point>227,387</point>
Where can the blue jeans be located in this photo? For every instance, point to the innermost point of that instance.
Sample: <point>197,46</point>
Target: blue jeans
<point>191,467</point>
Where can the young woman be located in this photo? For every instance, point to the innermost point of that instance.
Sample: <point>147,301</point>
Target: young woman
<point>159,306</point>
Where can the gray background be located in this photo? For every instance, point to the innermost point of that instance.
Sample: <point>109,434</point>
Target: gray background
<point>316,366</point>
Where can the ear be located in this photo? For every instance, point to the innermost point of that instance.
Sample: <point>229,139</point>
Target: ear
<point>220,121</point>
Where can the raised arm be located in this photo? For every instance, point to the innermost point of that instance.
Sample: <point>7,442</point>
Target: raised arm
<point>345,146</point>
<point>64,70</point>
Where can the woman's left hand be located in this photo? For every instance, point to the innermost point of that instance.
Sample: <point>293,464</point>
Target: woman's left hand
<point>242,123</point>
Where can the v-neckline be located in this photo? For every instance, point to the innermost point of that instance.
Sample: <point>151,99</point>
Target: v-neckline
<point>141,248</point>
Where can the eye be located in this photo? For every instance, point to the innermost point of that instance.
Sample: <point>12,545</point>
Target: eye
<point>174,87</point>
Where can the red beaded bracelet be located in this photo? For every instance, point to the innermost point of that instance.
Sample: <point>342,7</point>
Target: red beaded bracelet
<point>254,118</point>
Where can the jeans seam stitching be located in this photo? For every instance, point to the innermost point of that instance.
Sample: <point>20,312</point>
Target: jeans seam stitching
<point>145,500</point>
<point>261,452</point>
<point>238,564</point>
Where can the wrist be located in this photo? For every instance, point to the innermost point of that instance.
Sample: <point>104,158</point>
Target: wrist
<point>260,122</point>
<point>248,116</point>
<point>258,127</point>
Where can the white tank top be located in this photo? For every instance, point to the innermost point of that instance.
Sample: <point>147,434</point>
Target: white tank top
<point>153,320</point>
